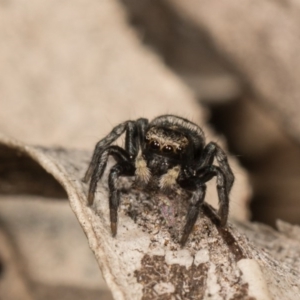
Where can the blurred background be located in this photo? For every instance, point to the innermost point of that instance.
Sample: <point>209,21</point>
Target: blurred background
<point>70,70</point>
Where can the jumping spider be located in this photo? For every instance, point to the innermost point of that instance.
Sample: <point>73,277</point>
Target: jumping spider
<point>173,150</point>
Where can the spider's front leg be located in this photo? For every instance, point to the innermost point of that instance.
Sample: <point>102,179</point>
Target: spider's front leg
<point>103,150</point>
<point>194,181</point>
<point>102,145</point>
<point>119,154</point>
<point>125,163</point>
<point>123,168</point>
<point>189,180</point>
<point>193,212</point>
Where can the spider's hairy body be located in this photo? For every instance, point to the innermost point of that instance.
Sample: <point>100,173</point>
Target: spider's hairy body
<point>171,150</point>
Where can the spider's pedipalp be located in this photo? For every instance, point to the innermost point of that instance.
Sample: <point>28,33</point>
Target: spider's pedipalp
<point>142,172</point>
<point>169,179</point>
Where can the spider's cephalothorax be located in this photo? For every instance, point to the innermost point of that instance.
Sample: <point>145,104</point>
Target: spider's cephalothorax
<point>171,149</point>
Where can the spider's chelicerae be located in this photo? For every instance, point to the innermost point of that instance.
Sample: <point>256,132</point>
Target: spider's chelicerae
<point>169,148</point>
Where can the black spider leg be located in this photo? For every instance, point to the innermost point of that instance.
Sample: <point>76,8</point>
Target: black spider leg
<point>142,125</point>
<point>102,145</point>
<point>119,155</point>
<point>123,168</point>
<point>193,181</point>
<point>197,183</point>
<point>193,212</point>
<point>135,135</point>
<point>100,156</point>
<point>211,151</point>
<point>223,193</point>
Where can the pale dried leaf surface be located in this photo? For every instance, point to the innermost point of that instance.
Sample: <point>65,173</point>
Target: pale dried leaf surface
<point>145,260</point>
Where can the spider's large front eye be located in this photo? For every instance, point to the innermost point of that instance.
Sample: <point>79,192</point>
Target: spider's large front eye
<point>167,149</point>
<point>154,145</point>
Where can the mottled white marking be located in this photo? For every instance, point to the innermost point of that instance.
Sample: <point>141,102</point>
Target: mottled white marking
<point>169,179</point>
<point>253,275</point>
<point>157,251</point>
<point>142,172</point>
<point>182,257</point>
<point>201,257</point>
<point>213,287</point>
<point>163,288</point>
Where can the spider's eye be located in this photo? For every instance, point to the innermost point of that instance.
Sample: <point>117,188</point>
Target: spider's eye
<point>155,145</point>
<point>167,149</point>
